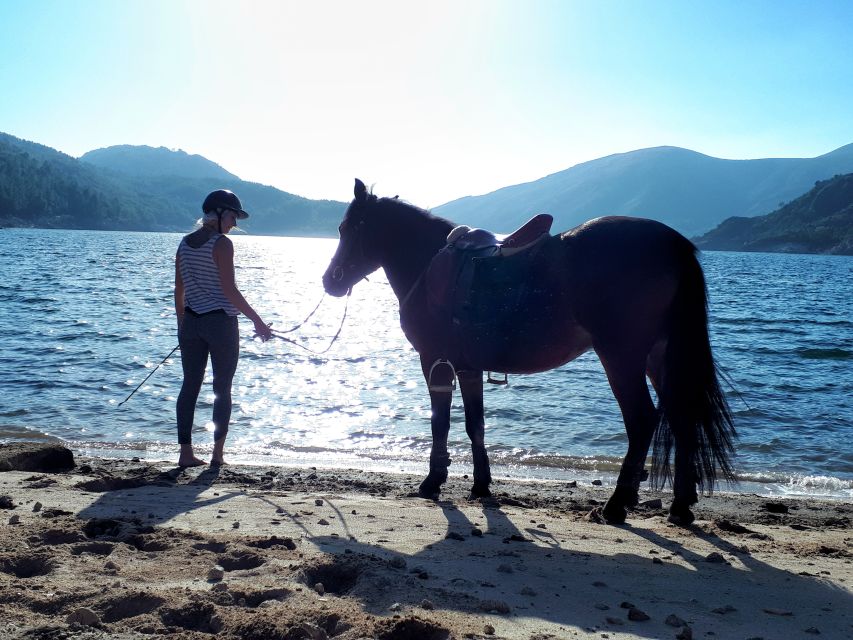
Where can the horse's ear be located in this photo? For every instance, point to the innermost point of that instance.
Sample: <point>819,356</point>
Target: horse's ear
<point>360,190</point>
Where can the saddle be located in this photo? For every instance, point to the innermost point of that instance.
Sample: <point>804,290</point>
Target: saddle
<point>479,282</point>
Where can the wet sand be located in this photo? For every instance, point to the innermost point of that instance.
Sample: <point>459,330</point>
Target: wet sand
<point>127,549</point>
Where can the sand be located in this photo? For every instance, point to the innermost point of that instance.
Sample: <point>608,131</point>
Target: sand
<point>128,549</point>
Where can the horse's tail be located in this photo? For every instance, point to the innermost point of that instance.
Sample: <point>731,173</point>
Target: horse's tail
<point>693,411</point>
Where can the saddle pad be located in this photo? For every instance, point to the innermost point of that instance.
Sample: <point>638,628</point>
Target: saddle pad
<point>491,291</point>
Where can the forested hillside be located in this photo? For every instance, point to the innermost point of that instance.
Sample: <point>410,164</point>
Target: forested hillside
<point>820,221</point>
<point>158,189</point>
<point>140,188</point>
<point>41,187</point>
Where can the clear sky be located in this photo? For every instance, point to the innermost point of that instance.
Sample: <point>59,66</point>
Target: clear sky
<point>429,100</point>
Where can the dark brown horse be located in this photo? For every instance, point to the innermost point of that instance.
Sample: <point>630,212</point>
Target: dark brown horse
<point>629,288</point>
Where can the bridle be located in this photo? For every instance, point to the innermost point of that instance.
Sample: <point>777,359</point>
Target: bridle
<point>355,255</point>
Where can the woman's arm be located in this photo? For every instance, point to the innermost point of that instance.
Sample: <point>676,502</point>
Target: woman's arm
<point>180,301</point>
<point>223,255</point>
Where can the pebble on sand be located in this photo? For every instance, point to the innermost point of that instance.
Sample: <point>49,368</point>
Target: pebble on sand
<point>686,633</point>
<point>724,610</point>
<point>674,621</point>
<point>84,616</point>
<point>494,605</point>
<point>637,615</point>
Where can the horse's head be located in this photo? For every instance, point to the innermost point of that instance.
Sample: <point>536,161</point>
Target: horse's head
<point>355,256</point>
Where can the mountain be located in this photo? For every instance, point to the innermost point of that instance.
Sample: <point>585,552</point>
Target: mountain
<point>160,161</point>
<point>140,188</point>
<point>820,221</point>
<point>685,189</point>
<point>42,187</point>
<point>158,189</point>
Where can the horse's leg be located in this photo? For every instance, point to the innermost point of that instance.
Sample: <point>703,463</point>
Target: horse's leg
<point>440,398</point>
<point>683,486</point>
<point>684,481</point>
<point>626,373</point>
<point>471,384</point>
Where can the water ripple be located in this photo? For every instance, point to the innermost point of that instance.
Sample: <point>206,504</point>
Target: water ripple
<point>88,333</point>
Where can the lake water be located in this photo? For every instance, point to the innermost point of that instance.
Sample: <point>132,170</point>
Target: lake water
<point>87,315</point>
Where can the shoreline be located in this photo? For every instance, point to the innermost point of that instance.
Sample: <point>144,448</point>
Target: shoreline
<point>842,489</point>
<point>130,549</point>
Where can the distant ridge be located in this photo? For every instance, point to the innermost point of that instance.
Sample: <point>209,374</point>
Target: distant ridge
<point>140,188</point>
<point>158,189</point>
<point>155,161</point>
<point>690,191</point>
<point>820,221</point>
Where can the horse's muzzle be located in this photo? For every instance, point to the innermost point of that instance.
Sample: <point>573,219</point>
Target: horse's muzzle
<point>333,281</point>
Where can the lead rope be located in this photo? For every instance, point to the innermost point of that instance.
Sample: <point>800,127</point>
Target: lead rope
<point>274,333</point>
<point>280,336</point>
<point>149,375</point>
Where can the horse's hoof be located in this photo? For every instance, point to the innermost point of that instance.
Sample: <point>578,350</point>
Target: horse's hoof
<point>430,488</point>
<point>429,496</point>
<point>614,513</point>
<point>428,493</point>
<point>480,491</point>
<point>623,498</point>
<point>681,517</point>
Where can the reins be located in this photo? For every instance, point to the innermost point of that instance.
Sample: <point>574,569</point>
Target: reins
<point>307,318</point>
<point>280,336</point>
<point>275,334</point>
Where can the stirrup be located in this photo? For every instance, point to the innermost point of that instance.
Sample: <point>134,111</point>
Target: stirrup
<point>492,380</point>
<point>442,388</point>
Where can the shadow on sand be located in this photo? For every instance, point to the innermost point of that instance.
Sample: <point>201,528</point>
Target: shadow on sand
<point>529,572</point>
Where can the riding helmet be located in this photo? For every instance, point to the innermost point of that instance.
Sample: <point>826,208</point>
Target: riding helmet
<point>223,199</point>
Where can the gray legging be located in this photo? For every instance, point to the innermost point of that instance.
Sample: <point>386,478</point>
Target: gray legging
<point>215,334</point>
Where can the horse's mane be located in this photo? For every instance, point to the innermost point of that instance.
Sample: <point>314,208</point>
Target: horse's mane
<point>402,208</point>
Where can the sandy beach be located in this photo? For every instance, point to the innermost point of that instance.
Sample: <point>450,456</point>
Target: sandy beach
<point>129,549</point>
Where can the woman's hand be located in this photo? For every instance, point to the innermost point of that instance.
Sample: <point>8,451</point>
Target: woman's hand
<point>262,330</point>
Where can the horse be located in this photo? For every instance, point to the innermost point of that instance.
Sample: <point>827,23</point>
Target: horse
<point>631,289</point>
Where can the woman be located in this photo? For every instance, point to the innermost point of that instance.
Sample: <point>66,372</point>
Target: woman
<point>207,303</point>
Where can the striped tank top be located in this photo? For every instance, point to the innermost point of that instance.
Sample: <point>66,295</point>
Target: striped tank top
<point>202,288</point>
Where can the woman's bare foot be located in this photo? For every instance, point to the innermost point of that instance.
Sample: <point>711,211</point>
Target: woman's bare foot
<point>216,457</point>
<point>187,457</point>
<point>190,462</point>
